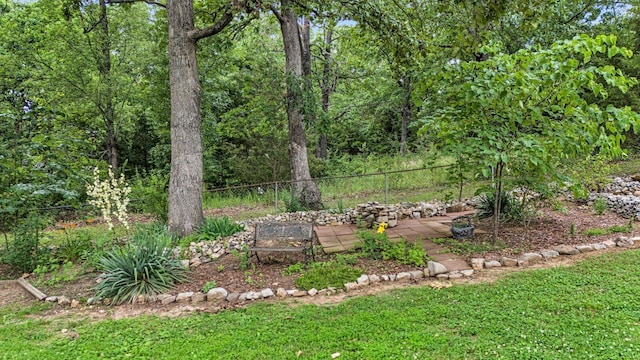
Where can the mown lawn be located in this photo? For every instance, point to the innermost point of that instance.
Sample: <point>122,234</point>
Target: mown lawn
<point>587,311</point>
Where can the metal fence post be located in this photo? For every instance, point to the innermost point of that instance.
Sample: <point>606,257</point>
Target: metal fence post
<point>276,197</point>
<point>386,188</point>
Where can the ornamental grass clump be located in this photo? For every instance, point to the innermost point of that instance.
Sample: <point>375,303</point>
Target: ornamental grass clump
<point>146,266</point>
<point>111,196</point>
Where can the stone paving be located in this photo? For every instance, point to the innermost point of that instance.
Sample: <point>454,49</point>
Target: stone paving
<point>343,237</point>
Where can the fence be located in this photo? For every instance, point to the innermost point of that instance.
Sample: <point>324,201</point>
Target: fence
<point>386,187</point>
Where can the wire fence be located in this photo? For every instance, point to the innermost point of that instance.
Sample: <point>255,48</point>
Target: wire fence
<point>386,187</point>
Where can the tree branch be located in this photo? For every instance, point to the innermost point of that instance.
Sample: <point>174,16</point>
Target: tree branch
<point>275,12</point>
<point>217,27</point>
<point>150,2</point>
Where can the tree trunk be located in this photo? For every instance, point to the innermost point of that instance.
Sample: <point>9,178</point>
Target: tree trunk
<point>405,83</point>
<point>327,86</point>
<point>104,67</point>
<point>185,184</point>
<point>497,201</point>
<point>303,188</point>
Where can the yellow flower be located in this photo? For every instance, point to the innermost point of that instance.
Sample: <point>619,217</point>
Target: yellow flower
<point>381,227</point>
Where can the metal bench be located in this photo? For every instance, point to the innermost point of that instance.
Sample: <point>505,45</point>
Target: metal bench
<point>283,237</point>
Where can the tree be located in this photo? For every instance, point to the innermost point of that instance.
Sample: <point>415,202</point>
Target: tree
<point>303,187</point>
<point>521,113</point>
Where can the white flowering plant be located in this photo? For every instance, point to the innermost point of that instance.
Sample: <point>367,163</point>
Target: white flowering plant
<point>111,196</point>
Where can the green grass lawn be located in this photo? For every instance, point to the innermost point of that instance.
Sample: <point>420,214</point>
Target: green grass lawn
<point>590,310</point>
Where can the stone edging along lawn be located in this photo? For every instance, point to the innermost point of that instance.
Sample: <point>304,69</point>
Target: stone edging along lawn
<point>433,270</point>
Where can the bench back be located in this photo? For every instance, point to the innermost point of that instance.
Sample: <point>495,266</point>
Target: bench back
<point>300,231</point>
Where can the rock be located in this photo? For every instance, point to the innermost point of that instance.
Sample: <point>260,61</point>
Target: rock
<point>566,250</point>
<point>466,273</point>
<point>435,268</point>
<point>312,292</point>
<point>232,297</point>
<point>374,279</point>
<point>195,262</point>
<point>492,264</point>
<point>403,276</point>
<point>299,293</point>
<point>416,274</point>
<point>549,254</point>
<point>184,297</point>
<point>198,297</point>
<point>75,303</point>
<point>185,263</point>
<point>584,248</point>
<point>323,292</point>
<point>609,243</point>
<point>385,277</point>
<point>168,300</point>
<point>392,223</point>
<point>281,293</point>
<point>216,294</point>
<point>529,258</point>
<point>92,301</point>
<point>453,276</point>
<point>351,286</point>
<point>477,263</point>
<point>599,246</point>
<point>63,300</point>
<point>363,280</point>
<point>442,276</point>
<point>621,241</point>
<point>508,262</point>
<point>243,297</point>
<point>266,293</point>
<point>51,299</point>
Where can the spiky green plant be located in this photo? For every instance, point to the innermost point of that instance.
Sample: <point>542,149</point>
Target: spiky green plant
<point>214,228</point>
<point>146,266</point>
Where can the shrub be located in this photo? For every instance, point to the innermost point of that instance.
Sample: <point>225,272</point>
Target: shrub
<point>372,244</point>
<point>143,267</point>
<point>24,253</point>
<point>485,208</point>
<point>150,195</point>
<point>214,228</point>
<point>327,274</point>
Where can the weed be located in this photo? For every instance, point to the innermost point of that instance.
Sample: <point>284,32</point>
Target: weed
<point>293,269</point>
<point>372,244</point>
<point>406,253</point>
<point>220,268</point>
<point>209,285</point>
<point>572,229</point>
<point>243,256</point>
<point>348,259</point>
<point>467,247</point>
<point>600,206</point>
<point>327,274</point>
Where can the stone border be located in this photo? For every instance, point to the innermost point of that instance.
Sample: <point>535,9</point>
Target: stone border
<point>433,270</point>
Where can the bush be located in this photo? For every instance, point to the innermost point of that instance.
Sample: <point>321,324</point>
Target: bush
<point>406,253</point>
<point>327,274</point>
<point>150,195</point>
<point>485,208</point>
<point>214,228</point>
<point>373,245</point>
<point>23,253</point>
<point>145,266</point>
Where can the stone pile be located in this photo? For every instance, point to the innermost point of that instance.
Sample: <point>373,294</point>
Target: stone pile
<point>622,196</point>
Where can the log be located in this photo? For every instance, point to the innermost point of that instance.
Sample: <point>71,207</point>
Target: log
<point>31,289</point>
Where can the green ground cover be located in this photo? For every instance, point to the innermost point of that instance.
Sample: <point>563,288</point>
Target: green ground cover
<point>587,311</point>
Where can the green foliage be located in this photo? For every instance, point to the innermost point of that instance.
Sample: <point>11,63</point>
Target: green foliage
<point>600,206</point>
<point>293,269</point>
<point>243,256</point>
<point>590,174</point>
<point>614,229</point>
<point>23,252</point>
<point>149,195</point>
<point>372,244</point>
<point>520,113</point>
<point>145,266</point>
<point>209,285</point>
<point>406,253</point>
<point>322,275</point>
<point>293,204</point>
<point>215,228</point>
<point>485,208</point>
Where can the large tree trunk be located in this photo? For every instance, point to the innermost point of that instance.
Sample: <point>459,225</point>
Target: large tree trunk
<point>185,184</point>
<point>303,187</point>
<point>104,67</point>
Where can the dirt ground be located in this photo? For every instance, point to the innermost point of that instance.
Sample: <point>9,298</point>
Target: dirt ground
<point>552,228</point>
